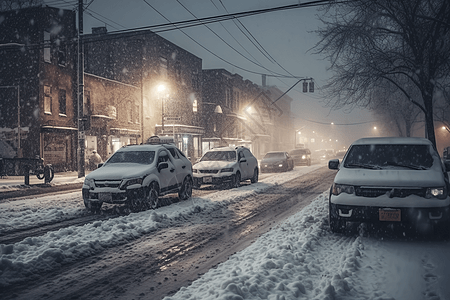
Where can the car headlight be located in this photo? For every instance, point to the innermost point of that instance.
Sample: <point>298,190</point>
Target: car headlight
<point>280,165</point>
<point>90,183</point>
<point>440,193</point>
<point>342,188</point>
<point>127,182</point>
<point>303,156</point>
<point>194,171</point>
<point>226,170</point>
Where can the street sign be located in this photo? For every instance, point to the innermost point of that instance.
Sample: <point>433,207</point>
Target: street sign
<point>172,118</point>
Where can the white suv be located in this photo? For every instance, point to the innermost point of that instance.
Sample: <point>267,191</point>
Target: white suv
<point>226,165</point>
<point>395,181</point>
<point>136,175</point>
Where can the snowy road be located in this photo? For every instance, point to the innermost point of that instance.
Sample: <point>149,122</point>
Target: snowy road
<point>268,240</point>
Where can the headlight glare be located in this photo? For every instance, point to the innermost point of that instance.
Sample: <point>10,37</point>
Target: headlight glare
<point>440,193</point>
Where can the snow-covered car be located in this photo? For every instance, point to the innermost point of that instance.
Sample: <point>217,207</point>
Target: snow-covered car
<point>226,165</point>
<point>390,181</point>
<point>276,161</point>
<point>301,156</point>
<point>136,175</point>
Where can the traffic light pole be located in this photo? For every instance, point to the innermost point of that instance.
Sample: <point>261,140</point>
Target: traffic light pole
<point>81,132</point>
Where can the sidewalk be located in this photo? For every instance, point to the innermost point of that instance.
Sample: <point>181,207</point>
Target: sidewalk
<point>10,185</point>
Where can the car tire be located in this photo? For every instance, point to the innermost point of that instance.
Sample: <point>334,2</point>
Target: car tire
<point>186,189</point>
<point>152,195</point>
<point>254,179</point>
<point>336,224</point>
<point>235,180</point>
<point>93,206</point>
<point>308,163</point>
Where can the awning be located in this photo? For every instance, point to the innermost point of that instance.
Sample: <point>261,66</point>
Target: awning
<point>57,128</point>
<point>171,129</point>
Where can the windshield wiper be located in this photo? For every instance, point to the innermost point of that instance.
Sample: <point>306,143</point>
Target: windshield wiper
<point>364,166</point>
<point>409,166</point>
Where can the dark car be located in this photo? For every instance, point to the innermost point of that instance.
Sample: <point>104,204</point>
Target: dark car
<point>301,156</point>
<point>276,161</point>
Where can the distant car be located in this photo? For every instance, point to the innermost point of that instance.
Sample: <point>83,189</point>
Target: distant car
<point>276,161</point>
<point>390,181</point>
<point>226,165</point>
<point>301,156</point>
<point>340,153</point>
<point>137,175</point>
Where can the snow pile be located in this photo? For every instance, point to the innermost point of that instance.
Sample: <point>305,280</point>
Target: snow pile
<point>286,263</point>
<point>38,254</point>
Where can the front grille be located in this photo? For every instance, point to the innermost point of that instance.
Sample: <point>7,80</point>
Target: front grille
<point>391,192</point>
<point>209,171</point>
<point>107,183</point>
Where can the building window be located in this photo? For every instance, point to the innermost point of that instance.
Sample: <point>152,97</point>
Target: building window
<point>129,112</point>
<point>195,80</point>
<point>62,102</point>
<point>62,56</point>
<point>137,113</point>
<point>47,99</point>
<point>47,56</point>
<point>87,103</point>
<point>163,67</point>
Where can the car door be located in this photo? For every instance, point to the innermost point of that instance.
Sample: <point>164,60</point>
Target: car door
<point>250,164</point>
<point>167,176</point>
<point>182,168</point>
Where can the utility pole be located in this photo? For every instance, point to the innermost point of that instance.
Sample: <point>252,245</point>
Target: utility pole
<point>81,132</point>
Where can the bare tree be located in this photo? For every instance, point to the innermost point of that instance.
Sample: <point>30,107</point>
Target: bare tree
<point>373,42</point>
<point>6,5</point>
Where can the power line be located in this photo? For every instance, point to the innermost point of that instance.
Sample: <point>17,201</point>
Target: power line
<point>256,63</point>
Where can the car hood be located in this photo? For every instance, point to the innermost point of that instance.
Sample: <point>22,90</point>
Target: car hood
<point>272,160</point>
<point>119,171</point>
<point>208,165</point>
<point>390,177</point>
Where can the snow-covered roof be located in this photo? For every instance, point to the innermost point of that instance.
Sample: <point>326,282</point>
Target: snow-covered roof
<point>392,140</point>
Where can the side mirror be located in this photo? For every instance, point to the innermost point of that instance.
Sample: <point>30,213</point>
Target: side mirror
<point>99,165</point>
<point>333,164</point>
<point>163,165</point>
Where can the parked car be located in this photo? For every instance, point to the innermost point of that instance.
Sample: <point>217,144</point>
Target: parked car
<point>137,175</point>
<point>276,161</point>
<point>390,181</point>
<point>226,165</point>
<point>301,156</point>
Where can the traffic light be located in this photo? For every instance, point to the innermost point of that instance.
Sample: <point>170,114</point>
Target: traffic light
<point>311,87</point>
<point>305,87</point>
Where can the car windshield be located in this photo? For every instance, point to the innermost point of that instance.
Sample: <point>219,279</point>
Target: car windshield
<point>274,155</point>
<point>297,152</point>
<point>139,157</point>
<point>409,156</point>
<point>219,156</point>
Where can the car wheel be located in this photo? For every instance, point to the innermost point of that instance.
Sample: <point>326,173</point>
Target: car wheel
<point>308,163</point>
<point>336,224</point>
<point>254,179</point>
<point>186,189</point>
<point>235,180</point>
<point>152,195</point>
<point>93,206</point>
<point>137,205</point>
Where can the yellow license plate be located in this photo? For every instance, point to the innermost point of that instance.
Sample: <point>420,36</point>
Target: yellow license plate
<point>392,215</point>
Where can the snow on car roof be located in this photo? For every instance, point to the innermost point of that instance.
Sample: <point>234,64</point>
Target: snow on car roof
<point>144,147</point>
<point>223,149</point>
<point>392,140</point>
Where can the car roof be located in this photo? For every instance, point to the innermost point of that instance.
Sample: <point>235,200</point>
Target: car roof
<point>276,152</point>
<point>392,140</point>
<point>143,147</point>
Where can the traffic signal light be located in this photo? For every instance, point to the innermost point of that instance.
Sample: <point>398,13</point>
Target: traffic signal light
<point>305,87</point>
<point>311,87</point>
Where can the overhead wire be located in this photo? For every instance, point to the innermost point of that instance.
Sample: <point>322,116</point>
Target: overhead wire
<point>256,63</point>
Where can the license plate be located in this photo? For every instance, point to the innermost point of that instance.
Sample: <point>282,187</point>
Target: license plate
<point>105,197</point>
<point>207,179</point>
<point>393,215</point>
